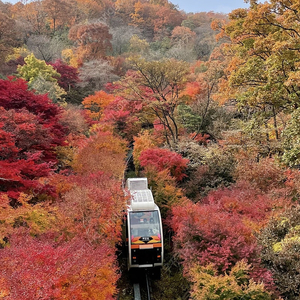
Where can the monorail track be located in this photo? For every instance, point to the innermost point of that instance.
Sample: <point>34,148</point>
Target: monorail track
<point>142,287</point>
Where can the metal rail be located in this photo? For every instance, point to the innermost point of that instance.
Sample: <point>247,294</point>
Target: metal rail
<point>142,289</point>
<point>147,286</point>
<point>137,291</point>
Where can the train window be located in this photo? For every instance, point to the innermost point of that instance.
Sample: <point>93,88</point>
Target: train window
<point>145,225</point>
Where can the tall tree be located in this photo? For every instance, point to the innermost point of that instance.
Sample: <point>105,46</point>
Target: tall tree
<point>8,36</point>
<point>32,17</point>
<point>56,11</point>
<point>44,47</point>
<point>159,85</point>
<point>263,73</point>
<point>93,41</point>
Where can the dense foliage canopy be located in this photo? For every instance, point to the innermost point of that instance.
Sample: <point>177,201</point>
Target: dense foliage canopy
<point>205,105</point>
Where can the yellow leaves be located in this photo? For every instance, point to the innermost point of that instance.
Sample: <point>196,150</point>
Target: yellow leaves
<point>207,284</point>
<point>265,39</point>
<point>235,285</point>
<point>70,58</point>
<point>37,219</point>
<point>286,242</point>
<point>65,155</point>
<point>17,52</point>
<point>291,238</point>
<point>40,220</point>
<point>138,45</point>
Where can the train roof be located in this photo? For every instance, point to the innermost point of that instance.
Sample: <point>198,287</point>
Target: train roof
<point>141,197</point>
<point>135,184</point>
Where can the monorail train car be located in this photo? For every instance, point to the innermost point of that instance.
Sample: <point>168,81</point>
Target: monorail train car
<point>144,228</point>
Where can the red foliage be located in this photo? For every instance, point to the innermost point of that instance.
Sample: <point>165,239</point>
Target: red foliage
<point>193,89</point>
<point>94,204</point>
<point>164,159</point>
<point>202,139</point>
<point>68,75</point>
<point>14,94</point>
<point>244,201</point>
<point>207,235</point>
<point>266,175</point>
<point>220,230</point>
<point>30,131</point>
<point>35,269</point>
<point>124,116</point>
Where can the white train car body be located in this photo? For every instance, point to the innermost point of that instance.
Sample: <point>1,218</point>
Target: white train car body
<point>144,227</point>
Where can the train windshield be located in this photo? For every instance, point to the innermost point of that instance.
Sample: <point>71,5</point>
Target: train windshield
<point>145,227</point>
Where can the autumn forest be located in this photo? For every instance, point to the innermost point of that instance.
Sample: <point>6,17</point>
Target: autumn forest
<point>205,105</point>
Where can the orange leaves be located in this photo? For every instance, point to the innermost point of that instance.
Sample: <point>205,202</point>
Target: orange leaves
<point>183,36</point>
<point>95,104</point>
<point>4,201</point>
<point>193,89</point>
<point>103,152</point>
<point>149,15</point>
<point>93,40</point>
<point>137,19</point>
<point>57,10</point>
<point>218,25</point>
